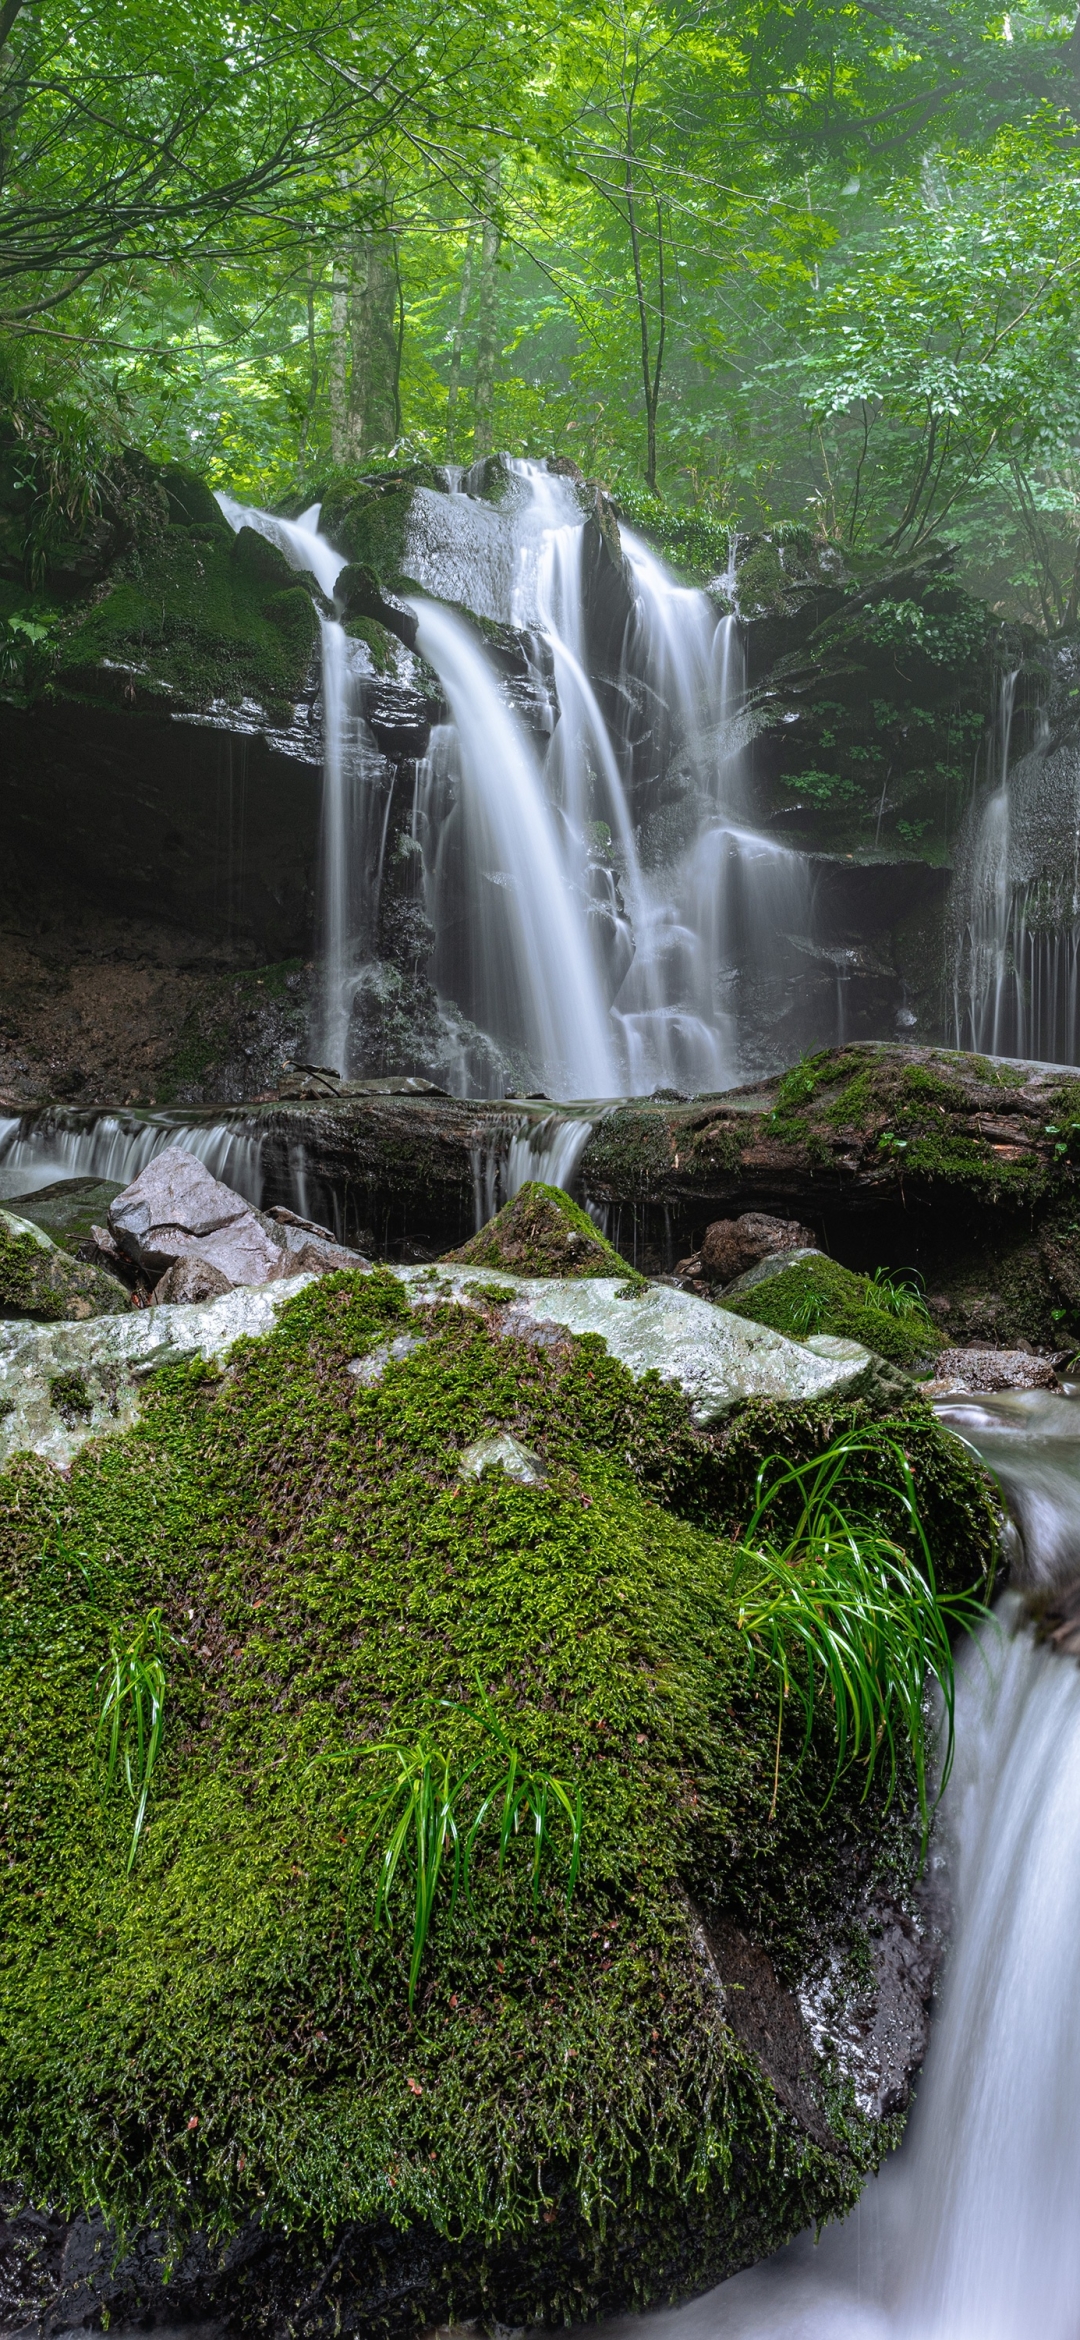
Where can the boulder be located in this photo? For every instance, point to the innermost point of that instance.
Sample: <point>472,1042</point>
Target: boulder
<point>815,1300</point>
<point>540,1231</point>
<point>984,1370</point>
<point>175,1210</point>
<point>730,1246</point>
<point>603,2090</point>
<point>67,1209</point>
<point>38,1279</point>
<point>189,1280</point>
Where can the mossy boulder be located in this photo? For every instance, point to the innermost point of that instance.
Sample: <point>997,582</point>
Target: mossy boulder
<point>195,617</point>
<point>542,1232</point>
<point>38,1279</point>
<point>68,1209</point>
<point>587,2105</point>
<point>813,1294</point>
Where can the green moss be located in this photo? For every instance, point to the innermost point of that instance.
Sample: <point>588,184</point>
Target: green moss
<point>192,620</point>
<point>194,2045</point>
<point>369,522</point>
<point>542,1232</point>
<point>38,1279</point>
<point>70,1398</point>
<point>820,1296</point>
<point>379,642</point>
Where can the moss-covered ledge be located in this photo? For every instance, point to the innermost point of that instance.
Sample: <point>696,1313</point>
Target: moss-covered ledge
<point>572,2119</point>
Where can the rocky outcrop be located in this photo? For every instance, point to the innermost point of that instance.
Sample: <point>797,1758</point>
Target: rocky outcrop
<point>541,1232</point>
<point>604,2089</point>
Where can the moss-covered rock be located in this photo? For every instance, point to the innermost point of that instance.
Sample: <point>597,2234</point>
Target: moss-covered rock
<point>196,616</point>
<point>814,1294</point>
<point>38,1279</point>
<point>541,1231</point>
<point>578,2111</point>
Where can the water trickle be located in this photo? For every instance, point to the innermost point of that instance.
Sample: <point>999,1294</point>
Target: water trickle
<point>970,2233</point>
<point>117,1145</point>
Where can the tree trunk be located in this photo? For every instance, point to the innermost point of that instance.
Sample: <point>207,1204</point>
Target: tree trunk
<point>373,392</point>
<point>457,345</point>
<point>339,360</point>
<point>313,376</point>
<point>487,328</point>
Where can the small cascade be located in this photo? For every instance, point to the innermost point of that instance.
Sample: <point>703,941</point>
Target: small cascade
<point>36,1150</point>
<point>1016,941</point>
<point>970,2231</point>
<point>549,1150</point>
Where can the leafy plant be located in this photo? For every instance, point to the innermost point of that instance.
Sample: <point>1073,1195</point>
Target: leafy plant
<point>417,1827</point>
<point>132,1717</point>
<point>899,1294</point>
<point>835,1603</point>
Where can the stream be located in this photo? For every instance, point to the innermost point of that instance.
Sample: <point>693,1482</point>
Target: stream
<point>971,2232</point>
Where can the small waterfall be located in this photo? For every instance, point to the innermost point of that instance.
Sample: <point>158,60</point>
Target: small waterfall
<point>38,1149</point>
<point>970,2232</point>
<point>549,1150</point>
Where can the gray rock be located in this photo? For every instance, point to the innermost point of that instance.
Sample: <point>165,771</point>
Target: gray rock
<point>730,1246</point>
<point>984,1370</point>
<point>502,1452</point>
<point>718,1359</point>
<point>61,1384</point>
<point>174,1207</point>
<point>175,1210</point>
<point>189,1280</point>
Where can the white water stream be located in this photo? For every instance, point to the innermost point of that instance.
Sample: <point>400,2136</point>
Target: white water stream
<point>972,2231</point>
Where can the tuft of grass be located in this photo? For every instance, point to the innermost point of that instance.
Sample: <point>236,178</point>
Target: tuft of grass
<point>899,1294</point>
<point>417,1826</point>
<point>132,1717</point>
<point>836,1606</point>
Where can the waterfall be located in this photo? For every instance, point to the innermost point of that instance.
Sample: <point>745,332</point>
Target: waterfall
<point>117,1145</point>
<point>606,916</point>
<point>1016,927</point>
<point>971,2232</point>
<point>530,948</point>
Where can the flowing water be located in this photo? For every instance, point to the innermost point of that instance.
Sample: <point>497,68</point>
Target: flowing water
<point>1016,939</point>
<point>605,913</point>
<point>971,2231</point>
<point>117,1145</point>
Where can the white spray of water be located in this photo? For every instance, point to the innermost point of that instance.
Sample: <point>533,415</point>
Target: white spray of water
<point>117,1146</point>
<point>536,939</point>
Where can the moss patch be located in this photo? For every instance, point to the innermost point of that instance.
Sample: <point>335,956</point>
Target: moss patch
<point>542,1232</point>
<point>820,1296</point>
<point>38,1279</point>
<point>204,2041</point>
<point>191,620</point>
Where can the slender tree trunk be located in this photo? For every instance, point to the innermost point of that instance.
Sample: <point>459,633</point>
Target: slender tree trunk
<point>313,375</point>
<point>651,367</point>
<point>457,345</point>
<point>339,359</point>
<point>487,328</point>
<point>373,391</point>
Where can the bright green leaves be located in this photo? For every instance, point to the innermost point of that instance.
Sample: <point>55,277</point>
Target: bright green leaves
<point>843,1612</point>
<point>132,1717</point>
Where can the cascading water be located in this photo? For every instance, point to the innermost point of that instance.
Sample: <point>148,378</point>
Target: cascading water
<point>605,915</point>
<point>116,1146</point>
<point>1016,940</point>
<point>971,2232</point>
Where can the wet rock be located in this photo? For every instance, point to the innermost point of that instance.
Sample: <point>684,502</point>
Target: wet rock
<point>37,1279</point>
<point>984,1370</point>
<point>97,1370</point>
<point>502,1452</point>
<point>190,1279</point>
<point>67,1209</point>
<point>730,1246</point>
<point>716,1358</point>
<point>540,1231</point>
<point>175,1206</point>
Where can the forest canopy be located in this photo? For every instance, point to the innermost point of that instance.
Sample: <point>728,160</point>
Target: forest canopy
<point>748,263</point>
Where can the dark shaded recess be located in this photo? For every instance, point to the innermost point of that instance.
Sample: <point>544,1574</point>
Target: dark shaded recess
<point>121,812</point>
